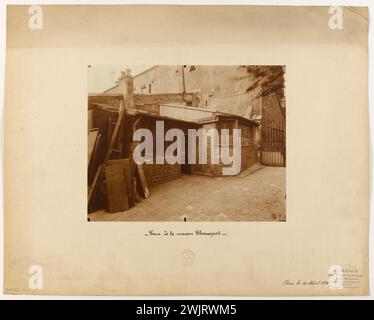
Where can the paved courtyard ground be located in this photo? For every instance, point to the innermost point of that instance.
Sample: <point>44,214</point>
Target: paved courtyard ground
<point>260,196</point>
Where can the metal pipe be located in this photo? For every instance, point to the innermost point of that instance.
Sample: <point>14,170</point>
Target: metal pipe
<point>184,83</point>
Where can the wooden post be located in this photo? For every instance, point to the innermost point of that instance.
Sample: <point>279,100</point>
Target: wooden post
<point>99,171</point>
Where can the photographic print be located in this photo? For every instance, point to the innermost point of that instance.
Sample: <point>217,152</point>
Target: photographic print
<point>230,143</point>
<point>187,143</point>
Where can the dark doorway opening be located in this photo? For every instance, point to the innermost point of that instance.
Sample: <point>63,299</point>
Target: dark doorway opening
<point>186,168</point>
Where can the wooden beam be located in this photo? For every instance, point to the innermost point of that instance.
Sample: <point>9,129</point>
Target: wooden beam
<point>99,171</point>
<point>92,141</point>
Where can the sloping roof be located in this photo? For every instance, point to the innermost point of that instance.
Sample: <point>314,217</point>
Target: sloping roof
<point>103,107</point>
<point>134,112</point>
<point>256,110</point>
<point>119,95</point>
<point>229,116</point>
<point>213,114</point>
<point>213,117</point>
<point>111,88</point>
<point>145,71</point>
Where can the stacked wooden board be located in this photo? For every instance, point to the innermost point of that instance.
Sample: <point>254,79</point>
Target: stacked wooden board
<point>122,178</point>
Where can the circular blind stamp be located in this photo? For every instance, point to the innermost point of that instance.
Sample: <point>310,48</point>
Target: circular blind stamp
<point>188,258</point>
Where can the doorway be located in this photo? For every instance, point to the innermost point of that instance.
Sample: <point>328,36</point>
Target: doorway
<point>186,167</point>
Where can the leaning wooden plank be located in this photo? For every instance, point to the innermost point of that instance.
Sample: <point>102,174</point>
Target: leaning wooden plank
<point>94,160</point>
<point>92,138</point>
<point>125,164</point>
<point>91,189</point>
<point>143,181</point>
<point>115,132</point>
<point>133,145</point>
<point>116,187</point>
<point>108,152</point>
<point>95,151</point>
<point>137,197</point>
<point>128,178</point>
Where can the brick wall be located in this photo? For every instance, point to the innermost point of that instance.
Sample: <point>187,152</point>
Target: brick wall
<point>250,146</point>
<point>160,173</point>
<point>249,149</point>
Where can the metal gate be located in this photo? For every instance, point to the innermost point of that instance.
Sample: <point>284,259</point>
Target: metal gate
<point>273,143</point>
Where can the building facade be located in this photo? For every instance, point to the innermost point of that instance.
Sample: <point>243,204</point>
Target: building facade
<point>223,88</point>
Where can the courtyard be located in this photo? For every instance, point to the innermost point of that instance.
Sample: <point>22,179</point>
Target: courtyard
<point>259,196</point>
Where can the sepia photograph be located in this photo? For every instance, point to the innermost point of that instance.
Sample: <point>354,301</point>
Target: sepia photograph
<point>234,138</point>
<point>186,143</point>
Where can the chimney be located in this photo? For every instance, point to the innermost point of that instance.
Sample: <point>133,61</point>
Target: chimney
<point>126,85</point>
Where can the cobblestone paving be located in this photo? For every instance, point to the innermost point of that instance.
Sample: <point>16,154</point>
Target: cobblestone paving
<point>259,196</point>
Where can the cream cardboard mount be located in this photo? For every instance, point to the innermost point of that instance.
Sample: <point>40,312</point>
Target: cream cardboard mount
<point>321,248</point>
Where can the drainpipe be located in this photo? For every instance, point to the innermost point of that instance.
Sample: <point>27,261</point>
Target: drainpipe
<point>184,83</point>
